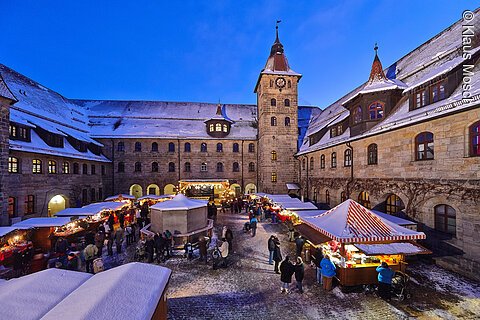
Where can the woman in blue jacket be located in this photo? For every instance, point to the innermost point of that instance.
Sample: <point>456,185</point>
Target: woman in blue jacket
<point>328,272</point>
<point>385,275</point>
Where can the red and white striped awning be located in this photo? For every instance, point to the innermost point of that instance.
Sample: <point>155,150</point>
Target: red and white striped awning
<point>350,222</point>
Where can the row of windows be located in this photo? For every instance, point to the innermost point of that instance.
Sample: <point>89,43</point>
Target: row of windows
<point>375,111</point>
<point>432,94</point>
<point>187,147</point>
<point>52,167</point>
<point>17,132</point>
<point>218,127</point>
<point>286,102</point>
<point>273,121</point>
<point>187,167</point>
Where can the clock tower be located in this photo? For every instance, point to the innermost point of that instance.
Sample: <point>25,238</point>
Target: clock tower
<point>277,103</point>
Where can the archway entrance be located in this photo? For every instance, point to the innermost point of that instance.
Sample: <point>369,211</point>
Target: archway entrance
<point>57,203</point>
<point>237,189</point>
<point>169,189</point>
<point>136,190</point>
<point>153,189</point>
<point>364,199</point>
<point>250,188</point>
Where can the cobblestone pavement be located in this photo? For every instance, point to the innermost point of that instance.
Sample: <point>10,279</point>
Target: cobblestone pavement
<point>249,289</point>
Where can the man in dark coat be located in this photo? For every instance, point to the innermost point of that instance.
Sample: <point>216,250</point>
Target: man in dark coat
<point>149,248</point>
<point>317,257</point>
<point>202,248</point>
<point>111,221</point>
<point>299,243</point>
<point>160,247</point>
<point>277,255</point>
<point>271,248</point>
<point>299,274</point>
<point>229,238</point>
<point>287,269</point>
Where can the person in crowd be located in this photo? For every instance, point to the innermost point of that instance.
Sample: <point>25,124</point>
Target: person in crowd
<point>328,272</point>
<point>277,255</point>
<point>149,249</point>
<point>106,227</point>
<point>109,237</point>
<point>119,235</point>
<point>89,238</point>
<point>287,269</point>
<point>291,233</point>
<point>61,246</point>
<point>224,250</point>
<point>202,248</point>
<point>253,225</point>
<point>138,217</point>
<point>274,216</point>
<point>72,262</point>
<point>229,237</point>
<point>121,219</point>
<point>299,243</point>
<point>299,274</point>
<point>134,231</point>
<point>128,234</point>
<point>317,259</point>
<point>168,242</point>
<point>111,221</point>
<point>224,231</point>
<point>271,248</point>
<point>385,275</point>
<point>159,247</point>
<point>99,241</point>
<point>90,252</point>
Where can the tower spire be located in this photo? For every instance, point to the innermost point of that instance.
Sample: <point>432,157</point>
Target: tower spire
<point>276,31</point>
<point>376,74</point>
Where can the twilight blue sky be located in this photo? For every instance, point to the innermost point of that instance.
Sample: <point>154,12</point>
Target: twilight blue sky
<point>210,50</point>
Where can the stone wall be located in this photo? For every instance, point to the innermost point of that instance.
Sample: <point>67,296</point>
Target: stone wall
<point>4,120</point>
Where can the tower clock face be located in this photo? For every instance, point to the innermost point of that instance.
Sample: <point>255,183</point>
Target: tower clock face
<point>280,82</point>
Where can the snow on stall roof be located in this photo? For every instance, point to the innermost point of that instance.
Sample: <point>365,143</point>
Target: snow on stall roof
<point>155,197</point>
<point>37,145</point>
<point>180,202</point>
<point>6,230</point>
<point>32,296</point>
<point>117,196</point>
<point>406,248</point>
<point>106,205</point>
<point>394,219</point>
<point>131,291</point>
<point>298,205</point>
<point>75,212</point>
<point>43,222</point>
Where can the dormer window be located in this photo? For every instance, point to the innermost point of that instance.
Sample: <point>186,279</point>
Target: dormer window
<point>211,128</point>
<point>420,99</point>
<point>336,130</point>
<point>357,114</point>
<point>18,132</point>
<point>437,91</point>
<point>218,127</point>
<point>376,110</point>
<point>225,128</point>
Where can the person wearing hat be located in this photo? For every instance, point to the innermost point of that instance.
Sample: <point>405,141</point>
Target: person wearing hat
<point>385,275</point>
<point>72,262</point>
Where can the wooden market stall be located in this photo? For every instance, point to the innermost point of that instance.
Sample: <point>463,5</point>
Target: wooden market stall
<point>152,199</point>
<point>121,197</point>
<point>358,240</point>
<point>13,241</point>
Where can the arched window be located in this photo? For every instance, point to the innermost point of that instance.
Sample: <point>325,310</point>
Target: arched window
<point>171,167</point>
<point>394,204</point>
<point>121,167</point>
<point>211,127</point>
<point>236,167</point>
<point>219,167</point>
<point>203,147</point>
<point>12,165</point>
<point>138,146</point>
<point>372,152</point>
<point>187,147</point>
<point>273,102</point>
<point>376,110</point>
<point>273,121</point>
<point>343,196</point>
<point>225,128</point>
<point>235,147</point>
<point>171,147</point>
<point>251,147</point>
<point>357,114</point>
<point>446,219</point>
<point>347,161</point>
<point>274,155</point>
<point>327,196</point>
<point>274,177</point>
<point>287,102</point>
<point>121,146</point>
<point>475,139</point>
<point>138,166</point>
<point>251,167</point>
<point>334,160</point>
<point>84,168</point>
<point>36,166</point>
<point>315,195</point>
<point>154,147</point>
<point>154,166</point>
<point>188,167</point>
<point>424,146</point>
<point>364,199</point>
<point>289,84</point>
<point>303,164</point>
<point>271,83</point>
<point>76,168</point>
<point>219,147</point>
<point>203,167</point>
<point>287,121</point>
<point>322,161</point>
<point>66,167</point>
<point>218,127</point>
<point>93,169</point>
<point>311,163</point>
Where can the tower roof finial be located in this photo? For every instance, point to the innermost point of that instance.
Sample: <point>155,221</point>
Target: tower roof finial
<point>276,31</point>
<point>376,48</point>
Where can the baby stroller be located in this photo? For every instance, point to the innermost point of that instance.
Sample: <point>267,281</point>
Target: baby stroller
<point>246,227</point>
<point>399,286</point>
<point>140,251</point>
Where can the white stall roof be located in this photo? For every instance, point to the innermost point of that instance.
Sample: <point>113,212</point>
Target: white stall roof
<point>107,205</point>
<point>131,291</point>
<point>298,205</point>
<point>74,212</point>
<point>406,248</point>
<point>394,219</point>
<point>117,196</point>
<point>155,197</point>
<point>43,222</point>
<point>180,202</point>
<point>32,296</point>
<point>6,230</point>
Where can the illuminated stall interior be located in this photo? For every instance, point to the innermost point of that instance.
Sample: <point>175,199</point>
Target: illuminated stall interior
<point>218,190</point>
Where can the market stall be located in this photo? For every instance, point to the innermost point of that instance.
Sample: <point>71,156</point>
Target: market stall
<point>358,240</point>
<point>152,199</point>
<point>121,198</point>
<point>285,206</point>
<point>13,240</point>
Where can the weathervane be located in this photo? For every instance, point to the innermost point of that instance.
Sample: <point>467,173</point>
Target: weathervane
<point>375,48</point>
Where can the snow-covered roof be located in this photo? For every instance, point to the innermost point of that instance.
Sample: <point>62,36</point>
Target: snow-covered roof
<point>91,209</point>
<point>43,222</point>
<point>386,84</point>
<point>406,248</point>
<point>350,222</point>
<point>155,197</point>
<point>298,205</point>
<point>394,219</point>
<point>131,291</point>
<point>180,202</point>
<point>32,296</point>
<point>117,197</point>
<point>5,91</point>
<point>6,230</point>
